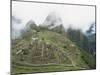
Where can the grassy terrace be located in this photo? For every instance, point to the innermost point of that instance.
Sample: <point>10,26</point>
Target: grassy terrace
<point>66,56</point>
<point>22,69</point>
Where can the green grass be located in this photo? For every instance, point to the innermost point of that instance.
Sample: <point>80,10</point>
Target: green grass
<point>71,57</point>
<point>89,59</point>
<point>39,69</point>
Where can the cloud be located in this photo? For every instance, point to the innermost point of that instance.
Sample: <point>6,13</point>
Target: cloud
<point>78,17</point>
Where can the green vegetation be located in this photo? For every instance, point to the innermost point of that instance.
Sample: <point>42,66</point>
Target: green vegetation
<point>36,69</point>
<point>42,50</point>
<point>89,59</point>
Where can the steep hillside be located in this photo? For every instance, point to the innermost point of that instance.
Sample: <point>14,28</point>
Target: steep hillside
<point>87,45</point>
<point>43,50</point>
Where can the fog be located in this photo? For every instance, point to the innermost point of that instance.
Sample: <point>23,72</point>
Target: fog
<point>75,16</point>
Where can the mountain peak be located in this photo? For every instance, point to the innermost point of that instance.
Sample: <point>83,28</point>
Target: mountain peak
<point>91,29</point>
<point>30,24</point>
<point>52,20</point>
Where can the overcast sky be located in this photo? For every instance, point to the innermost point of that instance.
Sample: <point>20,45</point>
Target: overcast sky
<point>71,15</point>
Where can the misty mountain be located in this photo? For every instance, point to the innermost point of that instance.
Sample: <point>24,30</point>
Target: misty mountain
<point>45,48</point>
<point>86,41</point>
<point>54,23</point>
<point>30,24</point>
<point>48,50</point>
<point>52,20</point>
